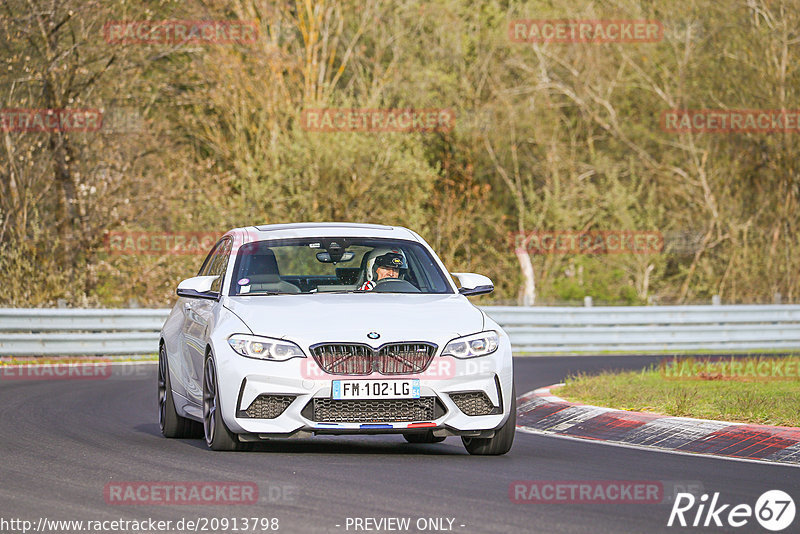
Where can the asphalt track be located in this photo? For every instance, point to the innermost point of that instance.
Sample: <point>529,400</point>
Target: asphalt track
<point>62,441</point>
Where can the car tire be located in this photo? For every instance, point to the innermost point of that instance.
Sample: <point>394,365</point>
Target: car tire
<point>171,424</point>
<point>423,437</point>
<point>217,435</point>
<point>503,436</point>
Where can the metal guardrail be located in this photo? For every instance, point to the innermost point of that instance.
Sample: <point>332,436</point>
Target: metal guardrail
<point>63,320</point>
<point>55,331</point>
<point>539,330</point>
<point>649,328</point>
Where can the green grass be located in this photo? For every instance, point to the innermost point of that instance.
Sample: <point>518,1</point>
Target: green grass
<point>720,394</point>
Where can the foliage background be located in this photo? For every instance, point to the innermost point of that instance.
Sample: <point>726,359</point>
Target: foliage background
<point>547,137</point>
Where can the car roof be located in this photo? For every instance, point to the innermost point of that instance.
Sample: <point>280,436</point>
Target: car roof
<point>268,227</point>
<point>322,229</point>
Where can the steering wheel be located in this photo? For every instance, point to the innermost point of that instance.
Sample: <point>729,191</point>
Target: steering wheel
<point>394,285</point>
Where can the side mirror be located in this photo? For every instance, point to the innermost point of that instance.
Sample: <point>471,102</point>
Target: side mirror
<point>198,287</point>
<point>474,284</point>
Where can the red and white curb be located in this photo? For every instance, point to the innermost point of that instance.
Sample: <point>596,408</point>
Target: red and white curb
<point>540,411</point>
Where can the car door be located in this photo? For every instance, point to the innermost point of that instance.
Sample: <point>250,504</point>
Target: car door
<point>180,363</point>
<point>198,315</point>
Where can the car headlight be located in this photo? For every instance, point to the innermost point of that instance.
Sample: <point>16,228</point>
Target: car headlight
<point>264,348</point>
<point>473,346</point>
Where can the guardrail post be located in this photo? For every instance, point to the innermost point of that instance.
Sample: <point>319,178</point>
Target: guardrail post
<point>587,302</point>
<point>715,300</point>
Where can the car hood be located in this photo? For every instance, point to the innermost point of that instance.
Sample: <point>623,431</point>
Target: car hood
<point>316,318</point>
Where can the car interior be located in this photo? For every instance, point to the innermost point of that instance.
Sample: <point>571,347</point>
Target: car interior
<point>259,272</point>
<point>262,271</point>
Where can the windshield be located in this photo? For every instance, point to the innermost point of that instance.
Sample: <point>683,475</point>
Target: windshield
<point>319,265</point>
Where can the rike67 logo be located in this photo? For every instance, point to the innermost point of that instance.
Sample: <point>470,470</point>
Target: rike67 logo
<point>774,510</point>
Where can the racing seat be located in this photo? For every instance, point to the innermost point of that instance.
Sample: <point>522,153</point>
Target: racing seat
<point>262,270</point>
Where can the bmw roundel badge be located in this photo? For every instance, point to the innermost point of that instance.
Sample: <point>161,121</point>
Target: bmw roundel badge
<point>373,335</point>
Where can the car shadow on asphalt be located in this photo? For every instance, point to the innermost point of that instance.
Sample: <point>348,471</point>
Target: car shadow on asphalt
<point>385,444</point>
<point>353,445</point>
<point>343,445</point>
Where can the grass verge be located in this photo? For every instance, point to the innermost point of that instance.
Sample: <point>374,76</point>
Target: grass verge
<point>761,390</point>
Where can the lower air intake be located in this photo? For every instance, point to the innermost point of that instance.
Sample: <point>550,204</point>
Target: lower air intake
<point>474,403</point>
<point>373,411</point>
<point>268,406</point>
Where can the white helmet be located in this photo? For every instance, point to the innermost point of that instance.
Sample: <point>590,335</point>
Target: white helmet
<point>389,257</point>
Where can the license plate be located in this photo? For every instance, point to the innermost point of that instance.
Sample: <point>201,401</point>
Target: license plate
<point>375,389</point>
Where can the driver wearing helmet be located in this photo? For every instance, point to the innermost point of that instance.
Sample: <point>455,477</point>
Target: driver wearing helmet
<point>383,264</point>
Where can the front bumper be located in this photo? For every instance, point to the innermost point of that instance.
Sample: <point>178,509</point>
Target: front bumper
<point>298,382</point>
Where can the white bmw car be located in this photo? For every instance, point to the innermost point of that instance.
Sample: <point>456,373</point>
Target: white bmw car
<point>293,330</point>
